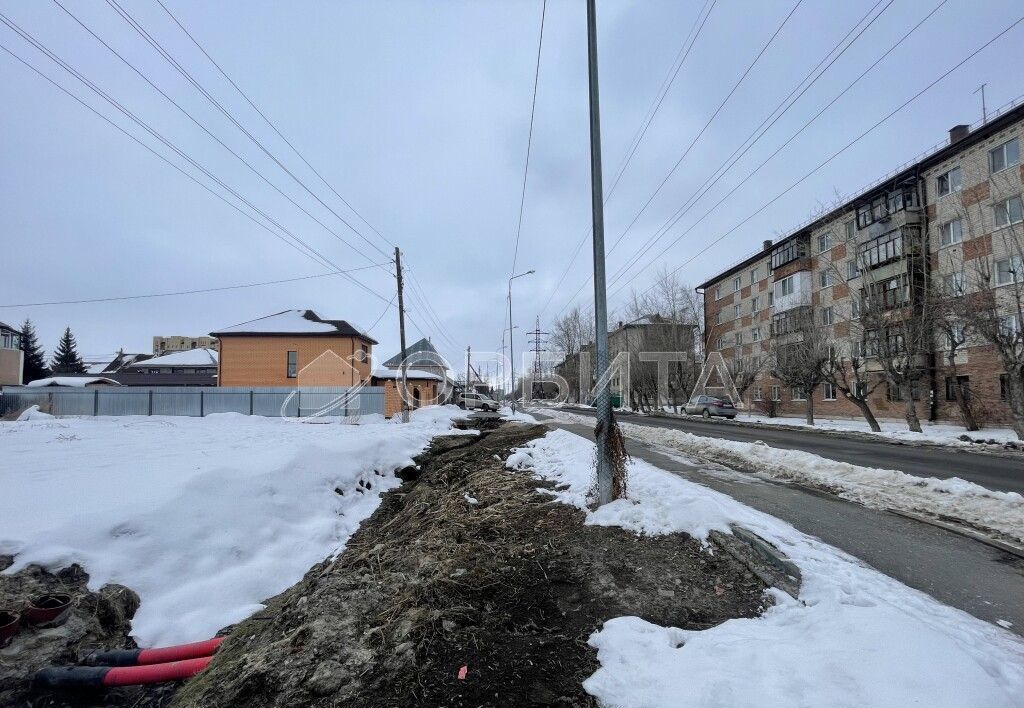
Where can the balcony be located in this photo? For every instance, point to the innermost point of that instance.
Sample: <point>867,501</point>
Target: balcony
<point>792,291</point>
<point>790,251</point>
<point>792,322</point>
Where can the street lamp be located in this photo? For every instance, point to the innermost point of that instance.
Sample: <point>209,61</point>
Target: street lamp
<point>511,352</point>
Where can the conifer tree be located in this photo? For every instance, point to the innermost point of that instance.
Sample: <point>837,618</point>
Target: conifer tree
<point>66,359</point>
<point>34,366</point>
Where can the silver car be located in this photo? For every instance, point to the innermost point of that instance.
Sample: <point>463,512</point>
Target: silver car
<point>708,406</point>
<point>477,401</point>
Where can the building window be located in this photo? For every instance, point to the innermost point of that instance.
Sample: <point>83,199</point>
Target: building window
<point>798,393</point>
<point>771,298</point>
<point>787,286</point>
<point>885,205</point>
<point>721,343</point>
<point>1008,212</point>
<point>895,393</point>
<point>953,284</point>
<point>293,364</point>
<point>1004,387</point>
<point>826,316</point>
<point>755,334</point>
<point>718,317</point>
<point>739,338</point>
<point>737,310</point>
<point>737,283</point>
<point>776,393</point>
<point>828,391</point>
<point>852,271</point>
<point>1008,271</point>
<point>951,384</point>
<point>949,182</point>
<point>791,251</point>
<point>755,304</point>
<point>1009,325</point>
<point>860,390</point>
<point>755,275</point>
<point>855,307</point>
<point>1006,155</point>
<point>955,337</point>
<point>824,242</point>
<point>757,393</point>
<point>825,278</point>
<point>883,249</point>
<point>718,292</point>
<point>851,228</point>
<point>952,232</point>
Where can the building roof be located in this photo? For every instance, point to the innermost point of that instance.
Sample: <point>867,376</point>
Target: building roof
<point>4,325</point>
<point>410,374</point>
<point>190,357</point>
<point>421,353</point>
<point>72,381</point>
<point>998,121</point>
<point>292,322</point>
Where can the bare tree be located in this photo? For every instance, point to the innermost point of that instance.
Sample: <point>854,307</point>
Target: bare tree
<point>569,335</point>
<point>744,371</point>
<point>799,354</point>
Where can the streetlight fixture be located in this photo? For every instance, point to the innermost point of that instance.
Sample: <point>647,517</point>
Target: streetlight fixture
<point>511,351</point>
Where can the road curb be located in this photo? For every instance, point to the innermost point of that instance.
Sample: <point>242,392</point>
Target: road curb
<point>963,531</point>
<point>753,552</point>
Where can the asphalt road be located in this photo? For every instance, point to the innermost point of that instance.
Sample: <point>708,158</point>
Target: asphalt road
<point>999,473</point>
<point>958,571</point>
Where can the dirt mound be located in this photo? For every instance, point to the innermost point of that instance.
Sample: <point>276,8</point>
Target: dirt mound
<point>467,565</point>
<point>98,620</point>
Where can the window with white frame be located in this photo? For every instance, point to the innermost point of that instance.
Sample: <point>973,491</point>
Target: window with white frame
<point>953,284</point>
<point>737,310</point>
<point>739,338</point>
<point>1008,270</point>
<point>787,286</point>
<point>757,393</point>
<point>755,334</point>
<point>952,232</point>
<point>852,271</point>
<point>755,304</point>
<point>858,349</point>
<point>720,345</point>
<point>955,336</point>
<point>851,228</point>
<point>755,275</point>
<point>824,242</point>
<point>826,316</point>
<point>949,182</point>
<point>1004,156</point>
<point>718,317</point>
<point>776,393</point>
<point>855,307</point>
<point>828,392</point>
<point>825,278</point>
<point>1009,325</point>
<point>798,393</point>
<point>860,389</point>
<point>1009,211</point>
<point>771,298</point>
<point>718,292</point>
<point>737,283</point>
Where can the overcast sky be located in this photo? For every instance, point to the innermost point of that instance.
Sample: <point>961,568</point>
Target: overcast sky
<point>417,113</point>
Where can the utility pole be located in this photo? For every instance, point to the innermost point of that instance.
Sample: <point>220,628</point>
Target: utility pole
<point>984,112</point>
<point>536,334</point>
<point>511,332</point>
<point>605,420</point>
<point>401,336</point>
<point>467,372</point>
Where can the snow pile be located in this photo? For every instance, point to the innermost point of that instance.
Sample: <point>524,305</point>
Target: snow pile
<point>855,638</point>
<point>72,381</point>
<point>997,513</point>
<point>203,517</point>
<point>33,413</point>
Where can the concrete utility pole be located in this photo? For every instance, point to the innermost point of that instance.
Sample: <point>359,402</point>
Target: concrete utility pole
<point>511,350</point>
<point>605,420</point>
<point>467,373</point>
<point>401,337</point>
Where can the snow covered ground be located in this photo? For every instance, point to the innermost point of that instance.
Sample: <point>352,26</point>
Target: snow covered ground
<point>855,637</point>
<point>203,517</point>
<point>1000,514</point>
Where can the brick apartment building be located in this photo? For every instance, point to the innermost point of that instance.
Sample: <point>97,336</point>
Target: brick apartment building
<point>935,233</point>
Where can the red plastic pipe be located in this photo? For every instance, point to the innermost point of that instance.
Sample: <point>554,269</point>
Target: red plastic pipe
<point>155,673</point>
<point>180,652</point>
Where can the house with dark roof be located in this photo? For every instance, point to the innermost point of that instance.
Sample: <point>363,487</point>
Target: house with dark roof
<point>294,348</point>
<point>420,356</point>
<point>11,356</point>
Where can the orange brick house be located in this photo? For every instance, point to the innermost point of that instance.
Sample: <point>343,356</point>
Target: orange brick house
<point>293,348</point>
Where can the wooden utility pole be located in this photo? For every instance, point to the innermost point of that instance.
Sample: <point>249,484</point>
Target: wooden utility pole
<point>401,337</point>
<point>467,372</point>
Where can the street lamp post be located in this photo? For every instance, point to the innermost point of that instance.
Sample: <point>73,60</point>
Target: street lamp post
<point>511,351</point>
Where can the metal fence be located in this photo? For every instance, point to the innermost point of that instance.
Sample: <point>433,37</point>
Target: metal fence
<point>196,401</point>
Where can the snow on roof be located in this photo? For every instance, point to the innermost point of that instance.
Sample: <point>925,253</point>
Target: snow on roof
<point>98,367</point>
<point>421,352</point>
<point>189,357</point>
<point>294,322</point>
<point>72,381</point>
<point>397,374</point>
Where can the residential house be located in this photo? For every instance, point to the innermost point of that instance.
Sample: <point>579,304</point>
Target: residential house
<point>72,382</point>
<point>192,367</point>
<point>422,388</point>
<point>178,343</point>
<point>12,359</point>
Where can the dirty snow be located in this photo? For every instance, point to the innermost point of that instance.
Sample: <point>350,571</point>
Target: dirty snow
<point>203,517</point>
<point>855,637</point>
<point>1000,514</point>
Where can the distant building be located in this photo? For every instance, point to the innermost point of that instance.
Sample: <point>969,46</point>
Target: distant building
<point>195,367</point>
<point>422,356</point>
<point>11,356</point>
<point>72,382</point>
<point>166,345</point>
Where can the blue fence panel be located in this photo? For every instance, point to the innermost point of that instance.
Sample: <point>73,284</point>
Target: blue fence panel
<point>122,402</point>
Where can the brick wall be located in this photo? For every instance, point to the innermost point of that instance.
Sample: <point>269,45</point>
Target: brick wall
<point>263,361</point>
<point>427,389</point>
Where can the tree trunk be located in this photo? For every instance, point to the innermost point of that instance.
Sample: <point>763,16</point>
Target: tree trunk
<point>913,422</point>
<point>810,407</point>
<point>865,410</point>
<point>1015,397</point>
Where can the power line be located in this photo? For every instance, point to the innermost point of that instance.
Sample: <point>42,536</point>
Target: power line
<point>652,111</point>
<point>847,146</point>
<point>806,125</point>
<point>132,22</point>
<point>759,132</point>
<point>529,139</point>
<point>189,292</point>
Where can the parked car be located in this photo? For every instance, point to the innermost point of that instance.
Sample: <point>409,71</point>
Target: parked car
<point>708,406</point>
<point>477,401</point>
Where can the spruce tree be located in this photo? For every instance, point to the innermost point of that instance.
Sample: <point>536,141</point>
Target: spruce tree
<point>34,366</point>
<point>66,359</point>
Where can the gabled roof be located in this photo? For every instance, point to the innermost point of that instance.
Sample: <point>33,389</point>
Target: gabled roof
<point>4,325</point>
<point>190,357</point>
<point>421,353</point>
<point>292,322</point>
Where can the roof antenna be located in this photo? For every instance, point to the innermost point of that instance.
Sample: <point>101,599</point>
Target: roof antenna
<point>984,113</point>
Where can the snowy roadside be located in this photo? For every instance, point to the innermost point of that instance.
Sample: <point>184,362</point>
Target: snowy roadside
<point>997,514</point>
<point>203,517</point>
<point>855,637</point>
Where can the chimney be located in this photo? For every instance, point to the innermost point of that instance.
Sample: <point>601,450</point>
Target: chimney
<point>958,133</point>
<point>767,244</point>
